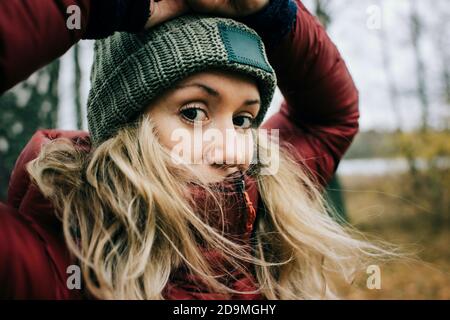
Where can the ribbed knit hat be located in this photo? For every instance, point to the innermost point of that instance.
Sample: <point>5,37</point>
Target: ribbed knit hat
<point>130,70</point>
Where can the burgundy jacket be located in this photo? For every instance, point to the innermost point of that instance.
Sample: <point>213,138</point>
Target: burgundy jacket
<point>319,117</point>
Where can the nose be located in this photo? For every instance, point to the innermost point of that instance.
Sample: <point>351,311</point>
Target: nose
<point>226,150</point>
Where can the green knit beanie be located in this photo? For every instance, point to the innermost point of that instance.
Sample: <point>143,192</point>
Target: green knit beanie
<point>130,70</point>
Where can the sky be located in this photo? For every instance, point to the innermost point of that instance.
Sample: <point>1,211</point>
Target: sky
<point>356,29</point>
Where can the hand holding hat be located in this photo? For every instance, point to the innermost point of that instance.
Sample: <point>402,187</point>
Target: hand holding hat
<point>163,10</point>
<point>229,8</point>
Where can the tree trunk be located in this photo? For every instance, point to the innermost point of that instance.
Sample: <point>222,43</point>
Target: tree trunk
<point>392,86</point>
<point>77,87</point>
<point>416,34</point>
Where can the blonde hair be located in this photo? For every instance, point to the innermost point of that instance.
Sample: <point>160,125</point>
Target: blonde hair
<point>127,218</point>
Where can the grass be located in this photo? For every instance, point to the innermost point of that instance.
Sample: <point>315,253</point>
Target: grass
<point>386,208</point>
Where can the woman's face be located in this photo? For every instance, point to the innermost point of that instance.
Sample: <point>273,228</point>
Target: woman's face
<point>206,120</point>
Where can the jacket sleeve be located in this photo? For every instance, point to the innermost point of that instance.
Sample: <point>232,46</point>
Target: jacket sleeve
<point>25,271</point>
<point>319,116</point>
<point>35,32</point>
<point>33,253</point>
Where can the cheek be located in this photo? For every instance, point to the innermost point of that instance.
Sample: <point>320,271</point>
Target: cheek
<point>251,149</point>
<point>166,126</point>
<point>180,142</point>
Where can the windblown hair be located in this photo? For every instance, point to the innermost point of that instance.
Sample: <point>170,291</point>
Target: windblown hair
<point>127,218</point>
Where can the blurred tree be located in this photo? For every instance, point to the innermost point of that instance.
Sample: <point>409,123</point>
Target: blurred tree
<point>445,61</point>
<point>416,36</point>
<point>30,105</point>
<point>321,12</point>
<point>442,35</point>
<point>387,66</point>
<point>77,87</point>
<point>425,150</point>
<point>428,155</point>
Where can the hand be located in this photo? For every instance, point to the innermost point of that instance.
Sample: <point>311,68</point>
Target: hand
<point>164,10</point>
<point>230,8</point>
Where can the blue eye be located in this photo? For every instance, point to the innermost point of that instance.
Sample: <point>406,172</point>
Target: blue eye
<point>243,122</point>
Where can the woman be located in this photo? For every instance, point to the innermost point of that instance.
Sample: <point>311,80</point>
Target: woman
<point>146,217</point>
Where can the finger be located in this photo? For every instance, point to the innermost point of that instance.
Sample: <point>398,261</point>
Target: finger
<point>209,6</point>
<point>165,10</point>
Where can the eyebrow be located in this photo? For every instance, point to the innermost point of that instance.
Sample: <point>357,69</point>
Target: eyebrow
<point>212,92</point>
<point>202,86</point>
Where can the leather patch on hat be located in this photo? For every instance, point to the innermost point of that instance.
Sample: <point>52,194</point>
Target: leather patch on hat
<point>243,47</point>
